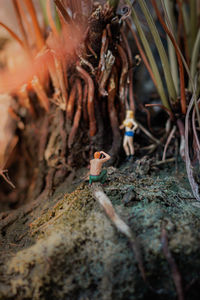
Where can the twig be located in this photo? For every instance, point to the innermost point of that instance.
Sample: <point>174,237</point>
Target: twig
<point>166,161</point>
<point>151,148</point>
<point>163,107</point>
<point>182,136</point>
<point>105,202</point>
<point>148,134</point>
<point>6,178</point>
<point>168,141</point>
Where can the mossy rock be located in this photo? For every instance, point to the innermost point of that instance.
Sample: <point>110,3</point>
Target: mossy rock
<point>74,251</point>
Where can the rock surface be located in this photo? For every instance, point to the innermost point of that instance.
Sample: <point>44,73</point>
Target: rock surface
<point>64,247</point>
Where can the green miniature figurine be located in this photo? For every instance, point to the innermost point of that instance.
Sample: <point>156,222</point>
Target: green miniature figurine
<point>130,126</point>
<point>96,172</point>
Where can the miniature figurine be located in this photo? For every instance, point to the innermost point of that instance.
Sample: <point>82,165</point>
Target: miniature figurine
<point>130,126</point>
<point>96,172</point>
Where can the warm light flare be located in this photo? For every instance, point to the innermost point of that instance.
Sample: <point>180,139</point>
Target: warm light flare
<point>22,67</point>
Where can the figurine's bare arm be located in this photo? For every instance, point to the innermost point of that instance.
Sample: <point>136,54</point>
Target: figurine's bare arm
<point>135,125</point>
<point>122,126</point>
<point>107,157</point>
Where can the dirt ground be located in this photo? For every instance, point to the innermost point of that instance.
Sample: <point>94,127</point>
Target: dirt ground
<point>64,246</point>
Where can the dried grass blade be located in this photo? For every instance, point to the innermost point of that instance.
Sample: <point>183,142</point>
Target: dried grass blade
<point>161,51</point>
<point>171,51</point>
<point>193,184</point>
<point>40,92</point>
<point>182,30</point>
<point>38,33</point>
<point>13,34</point>
<point>193,21</point>
<point>182,59</point>
<point>50,19</point>
<point>150,56</point>
<point>195,55</point>
<point>143,56</point>
<point>63,11</point>
<point>20,22</point>
<point>194,128</point>
<point>180,63</point>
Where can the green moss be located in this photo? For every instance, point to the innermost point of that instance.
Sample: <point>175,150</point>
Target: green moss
<point>78,254</point>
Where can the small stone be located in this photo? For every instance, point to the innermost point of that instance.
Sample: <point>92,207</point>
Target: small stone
<point>129,197</point>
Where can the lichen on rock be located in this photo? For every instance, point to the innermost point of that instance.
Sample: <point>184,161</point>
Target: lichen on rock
<point>76,253</point>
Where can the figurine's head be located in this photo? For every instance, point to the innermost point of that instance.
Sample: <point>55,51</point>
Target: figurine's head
<point>129,114</point>
<point>97,155</point>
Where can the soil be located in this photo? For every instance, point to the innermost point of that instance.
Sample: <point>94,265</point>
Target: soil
<point>65,247</point>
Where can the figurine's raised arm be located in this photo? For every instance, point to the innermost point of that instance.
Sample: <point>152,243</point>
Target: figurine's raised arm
<point>107,156</point>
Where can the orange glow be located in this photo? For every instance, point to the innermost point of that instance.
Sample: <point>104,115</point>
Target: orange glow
<point>24,67</point>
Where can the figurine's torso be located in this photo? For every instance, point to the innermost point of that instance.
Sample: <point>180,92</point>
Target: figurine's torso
<point>129,124</point>
<point>95,166</point>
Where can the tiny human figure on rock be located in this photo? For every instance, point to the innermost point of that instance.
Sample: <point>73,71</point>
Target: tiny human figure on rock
<point>96,172</point>
<point>130,126</point>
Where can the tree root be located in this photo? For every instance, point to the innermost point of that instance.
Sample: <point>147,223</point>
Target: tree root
<point>21,212</point>
<point>174,269</point>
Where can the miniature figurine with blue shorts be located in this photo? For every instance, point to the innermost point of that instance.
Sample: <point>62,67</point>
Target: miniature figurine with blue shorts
<point>130,126</point>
